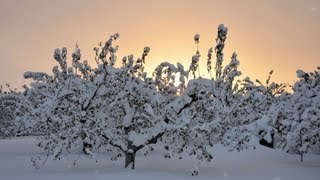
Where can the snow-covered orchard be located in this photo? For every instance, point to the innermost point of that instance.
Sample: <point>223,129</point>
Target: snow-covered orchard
<point>114,113</point>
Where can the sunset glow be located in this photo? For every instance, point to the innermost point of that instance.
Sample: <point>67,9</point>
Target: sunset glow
<point>280,35</point>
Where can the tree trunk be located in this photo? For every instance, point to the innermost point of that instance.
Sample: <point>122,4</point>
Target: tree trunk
<point>86,147</point>
<point>301,144</point>
<point>130,159</point>
<point>301,157</point>
<point>130,154</point>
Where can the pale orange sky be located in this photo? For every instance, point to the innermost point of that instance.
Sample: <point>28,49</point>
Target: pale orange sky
<point>282,35</point>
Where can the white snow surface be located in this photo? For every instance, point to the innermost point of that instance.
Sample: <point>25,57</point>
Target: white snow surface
<point>261,163</point>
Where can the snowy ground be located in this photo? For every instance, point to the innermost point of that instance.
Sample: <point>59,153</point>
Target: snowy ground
<point>262,163</point>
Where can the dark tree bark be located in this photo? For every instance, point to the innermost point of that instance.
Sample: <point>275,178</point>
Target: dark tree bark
<point>85,147</point>
<point>130,159</point>
<point>130,155</point>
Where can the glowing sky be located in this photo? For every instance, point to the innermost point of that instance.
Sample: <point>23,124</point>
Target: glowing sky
<point>282,35</point>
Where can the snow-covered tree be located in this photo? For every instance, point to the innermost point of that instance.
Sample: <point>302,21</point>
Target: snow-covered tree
<point>115,109</point>
<point>208,112</point>
<point>9,101</point>
<point>61,106</point>
<point>262,107</point>
<point>138,111</point>
<point>301,127</point>
<point>128,119</point>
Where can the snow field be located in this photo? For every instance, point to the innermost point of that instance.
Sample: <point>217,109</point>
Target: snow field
<point>261,163</point>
